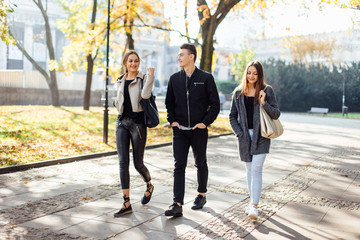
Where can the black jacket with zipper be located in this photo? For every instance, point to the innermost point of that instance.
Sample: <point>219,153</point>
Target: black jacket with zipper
<point>199,104</point>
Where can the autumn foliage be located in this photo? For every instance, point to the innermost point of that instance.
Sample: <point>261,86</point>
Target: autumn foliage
<point>36,133</point>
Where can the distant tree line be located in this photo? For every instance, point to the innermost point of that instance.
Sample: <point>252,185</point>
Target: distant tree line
<point>299,87</point>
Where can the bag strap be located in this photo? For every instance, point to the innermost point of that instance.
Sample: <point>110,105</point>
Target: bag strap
<point>142,83</point>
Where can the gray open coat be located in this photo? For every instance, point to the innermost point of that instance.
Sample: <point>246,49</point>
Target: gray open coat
<point>239,124</point>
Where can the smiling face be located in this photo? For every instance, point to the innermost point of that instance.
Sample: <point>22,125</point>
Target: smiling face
<point>185,58</point>
<point>132,63</point>
<point>252,75</point>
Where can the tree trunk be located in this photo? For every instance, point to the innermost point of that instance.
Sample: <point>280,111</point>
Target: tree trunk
<point>129,24</point>
<point>129,40</point>
<point>55,98</point>
<point>87,95</point>
<point>207,46</point>
<point>209,26</point>
<point>90,66</point>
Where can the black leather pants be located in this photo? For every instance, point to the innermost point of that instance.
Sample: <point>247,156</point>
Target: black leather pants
<point>127,131</point>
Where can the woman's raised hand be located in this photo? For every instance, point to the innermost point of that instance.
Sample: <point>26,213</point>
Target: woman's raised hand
<point>151,70</point>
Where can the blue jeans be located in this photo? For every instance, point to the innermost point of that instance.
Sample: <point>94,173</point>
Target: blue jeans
<point>254,174</point>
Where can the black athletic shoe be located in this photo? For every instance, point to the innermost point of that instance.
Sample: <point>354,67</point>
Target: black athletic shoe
<point>199,202</point>
<point>174,211</point>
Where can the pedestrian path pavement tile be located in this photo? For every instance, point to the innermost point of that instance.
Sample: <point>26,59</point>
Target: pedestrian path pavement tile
<point>95,219</point>
<point>86,211</point>
<point>133,219</point>
<point>95,229</point>
<point>54,222</point>
<point>144,234</point>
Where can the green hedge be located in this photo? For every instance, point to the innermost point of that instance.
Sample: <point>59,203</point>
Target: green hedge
<point>226,87</point>
<point>299,87</point>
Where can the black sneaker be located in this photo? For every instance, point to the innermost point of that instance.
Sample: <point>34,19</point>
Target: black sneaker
<point>174,211</point>
<point>199,202</point>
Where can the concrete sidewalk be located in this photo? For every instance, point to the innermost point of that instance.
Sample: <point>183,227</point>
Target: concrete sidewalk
<point>311,187</point>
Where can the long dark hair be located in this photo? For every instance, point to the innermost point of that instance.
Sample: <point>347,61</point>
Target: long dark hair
<point>259,85</point>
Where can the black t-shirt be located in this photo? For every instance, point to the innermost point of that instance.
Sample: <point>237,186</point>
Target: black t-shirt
<point>138,117</point>
<point>249,105</point>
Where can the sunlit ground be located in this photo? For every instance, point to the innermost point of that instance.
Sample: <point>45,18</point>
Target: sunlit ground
<point>35,133</point>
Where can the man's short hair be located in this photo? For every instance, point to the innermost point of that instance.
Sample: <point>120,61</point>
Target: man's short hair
<point>190,47</point>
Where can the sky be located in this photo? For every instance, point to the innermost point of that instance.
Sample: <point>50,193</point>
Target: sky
<point>281,20</point>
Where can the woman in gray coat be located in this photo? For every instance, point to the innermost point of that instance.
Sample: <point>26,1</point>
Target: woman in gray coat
<point>245,121</point>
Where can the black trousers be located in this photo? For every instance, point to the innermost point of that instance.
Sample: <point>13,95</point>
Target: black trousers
<point>127,130</point>
<point>182,140</point>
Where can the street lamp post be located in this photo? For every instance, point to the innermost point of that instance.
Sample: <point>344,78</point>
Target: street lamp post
<point>106,102</point>
<point>344,109</point>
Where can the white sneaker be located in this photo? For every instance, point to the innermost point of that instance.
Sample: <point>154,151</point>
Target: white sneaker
<point>253,213</point>
<point>248,208</point>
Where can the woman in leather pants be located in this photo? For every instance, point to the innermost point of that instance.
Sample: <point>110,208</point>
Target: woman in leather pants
<point>131,88</point>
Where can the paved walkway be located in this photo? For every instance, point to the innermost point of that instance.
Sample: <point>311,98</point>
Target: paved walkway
<point>311,191</point>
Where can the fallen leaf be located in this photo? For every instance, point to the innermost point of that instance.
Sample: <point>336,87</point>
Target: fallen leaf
<point>106,199</point>
<point>307,165</point>
<point>45,228</point>
<point>26,182</point>
<point>208,211</point>
<point>150,220</point>
<point>345,175</point>
<point>13,226</point>
<point>85,198</point>
<point>63,183</point>
<point>146,207</point>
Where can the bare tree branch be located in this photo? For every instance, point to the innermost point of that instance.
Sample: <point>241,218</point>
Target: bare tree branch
<point>27,55</point>
<point>163,29</point>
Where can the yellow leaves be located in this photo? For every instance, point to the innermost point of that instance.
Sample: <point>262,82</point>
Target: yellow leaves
<point>86,198</point>
<point>307,165</point>
<point>308,49</point>
<point>204,9</point>
<point>46,132</point>
<point>53,65</point>
<point>26,182</point>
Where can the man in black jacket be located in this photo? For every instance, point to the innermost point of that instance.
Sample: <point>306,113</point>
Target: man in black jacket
<point>192,103</point>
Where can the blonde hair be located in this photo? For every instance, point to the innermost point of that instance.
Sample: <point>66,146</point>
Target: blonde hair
<point>126,56</point>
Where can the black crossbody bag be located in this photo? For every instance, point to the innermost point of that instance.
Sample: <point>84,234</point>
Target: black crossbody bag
<point>151,113</point>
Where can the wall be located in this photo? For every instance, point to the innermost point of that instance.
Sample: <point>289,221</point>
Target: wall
<point>32,96</point>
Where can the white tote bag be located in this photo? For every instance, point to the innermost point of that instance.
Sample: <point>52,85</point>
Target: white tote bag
<point>270,128</point>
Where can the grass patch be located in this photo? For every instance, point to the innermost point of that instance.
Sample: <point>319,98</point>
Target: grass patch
<point>36,133</point>
<point>337,115</point>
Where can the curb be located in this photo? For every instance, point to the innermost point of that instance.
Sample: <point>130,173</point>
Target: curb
<point>23,167</point>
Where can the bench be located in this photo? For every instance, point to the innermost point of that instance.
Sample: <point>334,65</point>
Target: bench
<point>319,110</point>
